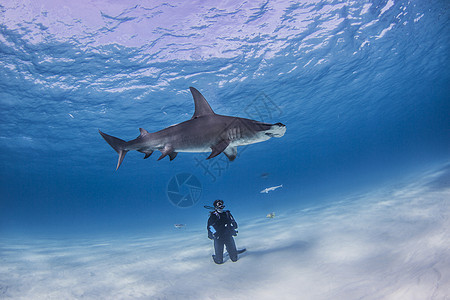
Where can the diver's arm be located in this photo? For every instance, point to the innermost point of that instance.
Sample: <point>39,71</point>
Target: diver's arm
<point>210,224</point>
<point>232,220</point>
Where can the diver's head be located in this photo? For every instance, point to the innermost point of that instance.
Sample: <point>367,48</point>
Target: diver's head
<point>218,205</point>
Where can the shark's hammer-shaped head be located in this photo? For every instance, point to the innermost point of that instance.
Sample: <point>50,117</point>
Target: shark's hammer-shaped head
<point>242,131</point>
<point>276,130</point>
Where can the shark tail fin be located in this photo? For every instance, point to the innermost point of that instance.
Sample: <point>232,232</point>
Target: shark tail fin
<point>117,144</point>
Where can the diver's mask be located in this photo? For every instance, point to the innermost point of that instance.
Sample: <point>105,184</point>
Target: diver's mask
<point>219,206</point>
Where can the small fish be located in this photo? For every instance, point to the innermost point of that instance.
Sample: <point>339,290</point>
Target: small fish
<point>271,215</point>
<point>179,226</point>
<point>265,175</point>
<point>267,190</point>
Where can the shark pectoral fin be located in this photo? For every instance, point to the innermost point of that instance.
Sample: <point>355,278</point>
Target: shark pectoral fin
<point>167,150</point>
<point>218,148</point>
<point>230,152</point>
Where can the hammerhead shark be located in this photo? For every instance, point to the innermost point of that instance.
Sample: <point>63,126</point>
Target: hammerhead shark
<point>267,190</point>
<point>205,131</point>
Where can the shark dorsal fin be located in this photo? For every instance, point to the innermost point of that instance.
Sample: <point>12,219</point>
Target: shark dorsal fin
<point>143,131</point>
<point>202,107</point>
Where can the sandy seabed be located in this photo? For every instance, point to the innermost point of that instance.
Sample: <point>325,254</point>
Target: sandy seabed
<point>392,243</point>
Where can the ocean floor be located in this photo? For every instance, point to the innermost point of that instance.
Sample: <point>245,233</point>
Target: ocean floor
<point>392,243</point>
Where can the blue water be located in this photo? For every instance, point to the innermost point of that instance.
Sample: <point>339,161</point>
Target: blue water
<point>362,86</point>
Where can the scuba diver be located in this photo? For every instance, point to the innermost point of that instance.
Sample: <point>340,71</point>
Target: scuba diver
<point>221,228</point>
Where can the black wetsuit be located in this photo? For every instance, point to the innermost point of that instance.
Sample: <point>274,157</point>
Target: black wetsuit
<point>225,227</point>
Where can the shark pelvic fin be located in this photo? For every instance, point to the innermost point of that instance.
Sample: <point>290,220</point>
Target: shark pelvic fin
<point>202,107</point>
<point>117,144</point>
<point>167,150</point>
<point>173,155</point>
<point>230,152</point>
<point>218,148</point>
